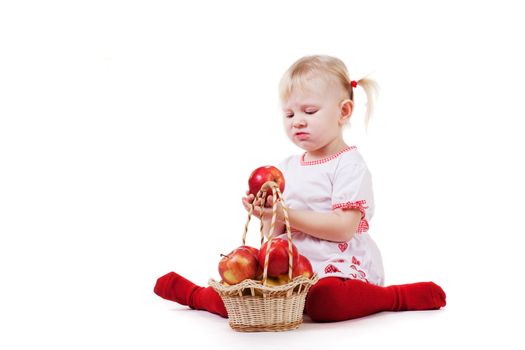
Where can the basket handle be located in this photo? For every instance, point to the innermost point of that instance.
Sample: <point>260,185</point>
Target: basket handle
<point>278,198</point>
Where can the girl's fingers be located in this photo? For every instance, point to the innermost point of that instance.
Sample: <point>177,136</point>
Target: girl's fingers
<point>258,208</point>
<point>247,204</point>
<point>248,199</point>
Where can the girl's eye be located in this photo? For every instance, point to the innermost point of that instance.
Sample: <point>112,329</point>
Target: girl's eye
<point>289,115</point>
<point>313,111</point>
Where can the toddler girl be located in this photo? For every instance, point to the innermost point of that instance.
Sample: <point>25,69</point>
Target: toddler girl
<point>330,203</point>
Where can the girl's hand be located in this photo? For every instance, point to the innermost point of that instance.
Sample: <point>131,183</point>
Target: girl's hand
<point>266,210</point>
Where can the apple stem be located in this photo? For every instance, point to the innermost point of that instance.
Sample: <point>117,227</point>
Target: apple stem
<point>222,255</point>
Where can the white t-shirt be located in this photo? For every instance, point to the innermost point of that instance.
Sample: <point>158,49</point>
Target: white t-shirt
<point>340,181</point>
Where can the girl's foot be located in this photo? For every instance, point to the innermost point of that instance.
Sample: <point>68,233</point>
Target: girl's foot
<point>419,296</point>
<point>176,288</point>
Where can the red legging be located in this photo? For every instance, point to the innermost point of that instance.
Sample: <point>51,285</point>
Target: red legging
<point>330,299</point>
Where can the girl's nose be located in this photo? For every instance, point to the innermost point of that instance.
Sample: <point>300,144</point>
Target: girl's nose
<point>299,123</point>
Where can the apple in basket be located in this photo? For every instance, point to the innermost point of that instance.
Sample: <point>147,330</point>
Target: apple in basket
<point>240,264</point>
<point>279,257</point>
<point>303,267</point>
<point>277,281</point>
<point>255,253</point>
<point>263,174</point>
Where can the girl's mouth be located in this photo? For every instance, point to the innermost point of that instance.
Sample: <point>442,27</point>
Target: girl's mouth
<point>302,135</point>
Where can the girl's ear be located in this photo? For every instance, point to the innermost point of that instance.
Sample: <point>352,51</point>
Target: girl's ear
<point>346,108</point>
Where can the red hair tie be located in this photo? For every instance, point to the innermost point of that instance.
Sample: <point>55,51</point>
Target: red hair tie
<point>353,83</point>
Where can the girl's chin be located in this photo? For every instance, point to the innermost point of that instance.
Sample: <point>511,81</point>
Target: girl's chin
<point>306,147</point>
<point>307,144</point>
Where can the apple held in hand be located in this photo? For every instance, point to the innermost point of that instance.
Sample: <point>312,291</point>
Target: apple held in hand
<point>242,263</point>
<point>302,268</point>
<point>264,174</point>
<point>279,257</point>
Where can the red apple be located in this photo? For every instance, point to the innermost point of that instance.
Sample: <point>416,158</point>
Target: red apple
<point>263,174</point>
<point>303,267</point>
<point>239,265</point>
<point>253,250</point>
<point>255,253</point>
<point>279,257</point>
<point>277,281</point>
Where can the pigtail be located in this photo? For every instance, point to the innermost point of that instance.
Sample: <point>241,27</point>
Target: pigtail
<point>371,88</point>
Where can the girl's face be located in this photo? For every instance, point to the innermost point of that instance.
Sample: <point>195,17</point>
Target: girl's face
<point>314,116</point>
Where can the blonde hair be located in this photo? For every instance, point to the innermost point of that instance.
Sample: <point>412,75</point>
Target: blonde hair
<point>327,67</point>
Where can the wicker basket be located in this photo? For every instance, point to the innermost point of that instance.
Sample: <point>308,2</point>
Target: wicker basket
<point>255,306</point>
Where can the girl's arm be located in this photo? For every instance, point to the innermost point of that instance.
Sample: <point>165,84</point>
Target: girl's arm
<point>337,226</point>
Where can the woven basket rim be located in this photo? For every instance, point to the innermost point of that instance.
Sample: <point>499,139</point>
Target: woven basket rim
<point>258,285</point>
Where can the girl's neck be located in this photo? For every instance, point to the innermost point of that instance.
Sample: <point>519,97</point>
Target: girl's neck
<point>332,148</point>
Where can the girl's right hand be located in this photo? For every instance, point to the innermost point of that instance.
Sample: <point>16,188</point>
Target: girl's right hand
<point>248,201</point>
<point>266,212</point>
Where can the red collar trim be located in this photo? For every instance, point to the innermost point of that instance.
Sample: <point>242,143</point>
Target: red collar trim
<point>327,159</point>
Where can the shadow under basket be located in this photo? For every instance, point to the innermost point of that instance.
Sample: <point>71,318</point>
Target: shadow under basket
<point>253,307</point>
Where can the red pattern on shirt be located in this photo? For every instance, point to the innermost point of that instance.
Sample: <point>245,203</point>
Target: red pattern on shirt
<point>355,261</point>
<point>331,269</point>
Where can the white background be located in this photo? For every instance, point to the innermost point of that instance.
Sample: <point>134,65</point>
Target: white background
<point>128,130</point>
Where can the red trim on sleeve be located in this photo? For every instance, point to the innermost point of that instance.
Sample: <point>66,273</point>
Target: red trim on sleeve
<point>359,205</point>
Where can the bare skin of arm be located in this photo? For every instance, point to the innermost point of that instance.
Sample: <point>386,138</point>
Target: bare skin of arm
<point>337,226</point>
